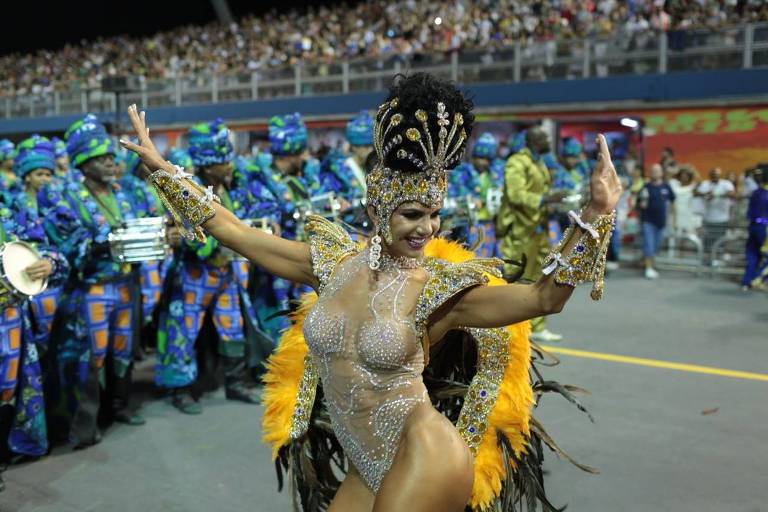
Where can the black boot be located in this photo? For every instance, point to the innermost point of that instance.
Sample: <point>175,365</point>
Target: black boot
<point>234,380</point>
<point>84,429</point>
<point>121,411</point>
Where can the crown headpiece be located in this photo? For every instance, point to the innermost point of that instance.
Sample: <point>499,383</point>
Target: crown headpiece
<point>388,188</point>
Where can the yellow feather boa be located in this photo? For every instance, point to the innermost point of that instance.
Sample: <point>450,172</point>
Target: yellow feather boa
<point>510,415</point>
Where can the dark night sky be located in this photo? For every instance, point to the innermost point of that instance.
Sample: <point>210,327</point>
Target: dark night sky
<point>30,25</point>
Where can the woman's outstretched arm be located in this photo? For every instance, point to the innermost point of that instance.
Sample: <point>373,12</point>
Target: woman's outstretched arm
<point>283,258</point>
<point>498,306</point>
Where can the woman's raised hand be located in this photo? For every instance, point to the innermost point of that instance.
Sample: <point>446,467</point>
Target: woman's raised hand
<point>605,185</point>
<point>145,148</point>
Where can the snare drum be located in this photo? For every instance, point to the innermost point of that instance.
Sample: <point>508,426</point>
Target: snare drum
<point>15,284</point>
<point>139,240</point>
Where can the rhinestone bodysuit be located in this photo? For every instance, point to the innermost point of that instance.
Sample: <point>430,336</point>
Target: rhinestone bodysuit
<point>363,339</point>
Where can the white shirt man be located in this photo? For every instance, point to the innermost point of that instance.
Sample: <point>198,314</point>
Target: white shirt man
<point>717,195</point>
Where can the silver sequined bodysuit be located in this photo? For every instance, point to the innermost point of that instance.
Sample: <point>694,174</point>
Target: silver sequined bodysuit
<point>362,337</point>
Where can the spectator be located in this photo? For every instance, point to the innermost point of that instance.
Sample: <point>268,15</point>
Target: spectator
<point>653,202</point>
<point>718,195</point>
<point>757,215</point>
<point>683,186</point>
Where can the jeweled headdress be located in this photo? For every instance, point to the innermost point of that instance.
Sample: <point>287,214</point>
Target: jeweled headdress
<point>388,188</point>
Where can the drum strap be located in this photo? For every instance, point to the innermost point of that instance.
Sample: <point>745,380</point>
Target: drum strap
<point>297,188</point>
<point>226,200</point>
<point>108,205</point>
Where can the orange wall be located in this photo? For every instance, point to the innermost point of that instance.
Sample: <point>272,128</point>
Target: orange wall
<point>732,138</point>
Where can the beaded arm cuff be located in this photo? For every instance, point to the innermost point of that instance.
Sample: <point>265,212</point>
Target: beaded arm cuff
<point>189,204</point>
<point>586,261</point>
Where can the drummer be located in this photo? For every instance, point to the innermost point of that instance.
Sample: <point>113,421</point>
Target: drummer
<point>262,205</point>
<point>462,199</point>
<point>490,177</point>
<point>204,279</point>
<point>299,174</point>
<point>271,295</point>
<point>288,146</point>
<point>94,343</point>
<point>34,165</point>
<point>22,410</point>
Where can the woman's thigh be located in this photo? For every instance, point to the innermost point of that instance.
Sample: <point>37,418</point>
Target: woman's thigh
<point>353,495</point>
<point>432,469</point>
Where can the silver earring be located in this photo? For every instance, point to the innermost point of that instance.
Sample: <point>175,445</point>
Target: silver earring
<point>374,258</point>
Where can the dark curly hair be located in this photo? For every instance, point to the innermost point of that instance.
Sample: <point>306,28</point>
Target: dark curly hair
<point>423,91</point>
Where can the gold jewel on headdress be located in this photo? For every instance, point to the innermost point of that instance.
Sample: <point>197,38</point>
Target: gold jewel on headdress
<point>388,188</point>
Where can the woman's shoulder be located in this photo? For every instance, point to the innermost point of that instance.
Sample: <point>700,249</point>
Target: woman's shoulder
<point>329,243</point>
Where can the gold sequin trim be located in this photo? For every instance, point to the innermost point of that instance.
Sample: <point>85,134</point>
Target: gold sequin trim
<point>492,360</point>
<point>328,244</point>
<point>305,399</point>
<point>186,201</point>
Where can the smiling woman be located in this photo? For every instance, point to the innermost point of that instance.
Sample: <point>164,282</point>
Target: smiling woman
<point>382,309</point>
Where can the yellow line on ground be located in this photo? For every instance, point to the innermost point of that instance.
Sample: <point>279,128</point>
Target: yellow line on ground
<point>655,363</point>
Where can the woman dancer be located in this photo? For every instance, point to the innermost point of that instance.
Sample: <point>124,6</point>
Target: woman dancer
<point>382,305</point>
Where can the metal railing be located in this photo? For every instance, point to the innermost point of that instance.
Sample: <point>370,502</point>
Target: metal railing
<point>736,47</point>
<point>707,250</point>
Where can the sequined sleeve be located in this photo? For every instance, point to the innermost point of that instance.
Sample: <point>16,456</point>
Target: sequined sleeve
<point>329,244</point>
<point>446,280</point>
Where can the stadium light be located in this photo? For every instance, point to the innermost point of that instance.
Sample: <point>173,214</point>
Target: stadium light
<point>629,122</point>
<point>438,20</point>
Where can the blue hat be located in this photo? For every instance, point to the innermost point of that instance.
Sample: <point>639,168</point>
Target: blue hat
<point>6,149</point>
<point>571,147</point>
<point>516,142</point>
<point>36,152</point>
<point>180,157</point>
<point>287,135</point>
<point>360,129</point>
<point>59,147</point>
<point>87,138</point>
<point>209,144</point>
<point>485,146</point>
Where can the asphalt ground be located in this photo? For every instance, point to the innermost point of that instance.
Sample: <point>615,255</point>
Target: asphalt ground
<point>665,437</point>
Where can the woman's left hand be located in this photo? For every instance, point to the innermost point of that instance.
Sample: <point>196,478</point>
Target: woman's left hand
<point>39,270</point>
<point>145,148</point>
<point>605,186</point>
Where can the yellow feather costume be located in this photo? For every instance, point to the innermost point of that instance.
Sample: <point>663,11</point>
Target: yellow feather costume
<point>290,383</point>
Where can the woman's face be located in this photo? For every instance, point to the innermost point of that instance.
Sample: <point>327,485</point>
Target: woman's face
<point>412,225</point>
<point>36,179</point>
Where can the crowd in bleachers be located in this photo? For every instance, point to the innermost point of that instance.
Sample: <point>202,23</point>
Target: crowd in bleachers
<point>374,29</point>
